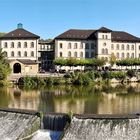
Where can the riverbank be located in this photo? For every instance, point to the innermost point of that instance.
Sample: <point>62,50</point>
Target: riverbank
<point>81,78</point>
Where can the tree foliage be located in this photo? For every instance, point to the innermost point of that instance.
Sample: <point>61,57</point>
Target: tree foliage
<point>4,66</point>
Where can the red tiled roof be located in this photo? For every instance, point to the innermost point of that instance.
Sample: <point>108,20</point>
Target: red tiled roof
<point>19,34</point>
<point>76,34</point>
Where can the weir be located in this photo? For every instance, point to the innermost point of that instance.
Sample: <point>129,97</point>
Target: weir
<point>103,127</point>
<point>16,124</point>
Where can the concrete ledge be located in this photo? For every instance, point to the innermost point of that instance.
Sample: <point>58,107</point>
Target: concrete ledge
<point>107,116</point>
<point>21,111</point>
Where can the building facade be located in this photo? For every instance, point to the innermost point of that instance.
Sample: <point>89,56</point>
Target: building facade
<point>46,55</point>
<point>20,44</point>
<point>100,43</point>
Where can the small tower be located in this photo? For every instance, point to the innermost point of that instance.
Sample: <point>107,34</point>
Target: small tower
<point>20,26</point>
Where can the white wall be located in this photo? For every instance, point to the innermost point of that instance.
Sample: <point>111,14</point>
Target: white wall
<point>22,49</point>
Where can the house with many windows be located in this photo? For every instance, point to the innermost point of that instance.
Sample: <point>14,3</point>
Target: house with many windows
<point>21,49</point>
<point>100,43</point>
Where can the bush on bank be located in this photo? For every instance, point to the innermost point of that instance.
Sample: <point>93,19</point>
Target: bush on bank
<point>78,78</point>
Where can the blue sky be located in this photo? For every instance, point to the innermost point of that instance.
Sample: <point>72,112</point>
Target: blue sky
<point>49,18</point>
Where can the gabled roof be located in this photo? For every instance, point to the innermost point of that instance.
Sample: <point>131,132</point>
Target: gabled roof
<point>77,34</point>
<point>27,61</point>
<point>19,34</point>
<point>24,61</point>
<point>124,36</point>
<point>104,30</point>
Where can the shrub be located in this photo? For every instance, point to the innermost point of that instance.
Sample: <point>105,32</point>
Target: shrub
<point>49,80</point>
<point>131,73</point>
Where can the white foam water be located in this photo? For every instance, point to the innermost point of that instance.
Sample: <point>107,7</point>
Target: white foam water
<point>103,129</point>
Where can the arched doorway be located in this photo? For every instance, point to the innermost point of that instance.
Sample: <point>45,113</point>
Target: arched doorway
<point>17,68</point>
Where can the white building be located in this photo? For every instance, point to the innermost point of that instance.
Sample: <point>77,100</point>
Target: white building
<point>22,45</point>
<point>100,43</point>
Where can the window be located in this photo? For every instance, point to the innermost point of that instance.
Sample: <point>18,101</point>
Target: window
<point>61,45</point>
<point>92,45</point>
<point>118,55</point>
<point>19,45</point>
<point>106,37</point>
<point>25,54</point>
<point>132,47</point>
<point>12,44</point>
<point>103,51</point>
<point>81,54</point>
<point>106,51</point>
<point>81,46</point>
<point>104,44</point>
<point>75,45</point>
<point>69,54</point>
<point>117,47</point>
<point>132,55</point>
<point>19,54</point>
<point>122,55</point>
<point>32,53</point>
<point>32,44</point>
<point>61,55</point>
<point>102,36</point>
<point>87,54</point>
<point>25,44</point>
<point>127,47</point>
<point>139,47</point>
<point>12,54</point>
<point>112,46</point>
<point>92,54</point>
<point>127,55</point>
<point>5,45</point>
<point>5,54</point>
<point>87,46</point>
<point>69,46</point>
<point>75,54</point>
<point>122,47</point>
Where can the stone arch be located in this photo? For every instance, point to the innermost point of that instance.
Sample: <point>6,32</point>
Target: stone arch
<point>17,68</point>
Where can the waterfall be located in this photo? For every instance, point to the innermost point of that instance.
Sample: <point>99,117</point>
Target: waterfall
<point>15,125</point>
<point>55,122</point>
<point>103,129</point>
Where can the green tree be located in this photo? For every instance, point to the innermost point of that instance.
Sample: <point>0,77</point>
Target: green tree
<point>5,69</point>
<point>112,59</point>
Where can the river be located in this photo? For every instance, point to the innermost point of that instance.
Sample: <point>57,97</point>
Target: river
<point>107,99</point>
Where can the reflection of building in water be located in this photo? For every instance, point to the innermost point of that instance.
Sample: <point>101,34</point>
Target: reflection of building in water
<point>119,104</point>
<point>65,106</point>
<point>60,101</point>
<point>24,99</point>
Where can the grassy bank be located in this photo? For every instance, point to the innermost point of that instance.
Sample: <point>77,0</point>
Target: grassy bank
<point>78,78</point>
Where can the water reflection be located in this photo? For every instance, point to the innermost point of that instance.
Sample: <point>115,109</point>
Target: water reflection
<point>107,99</point>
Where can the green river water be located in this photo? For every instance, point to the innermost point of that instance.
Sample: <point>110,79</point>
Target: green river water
<point>107,99</point>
